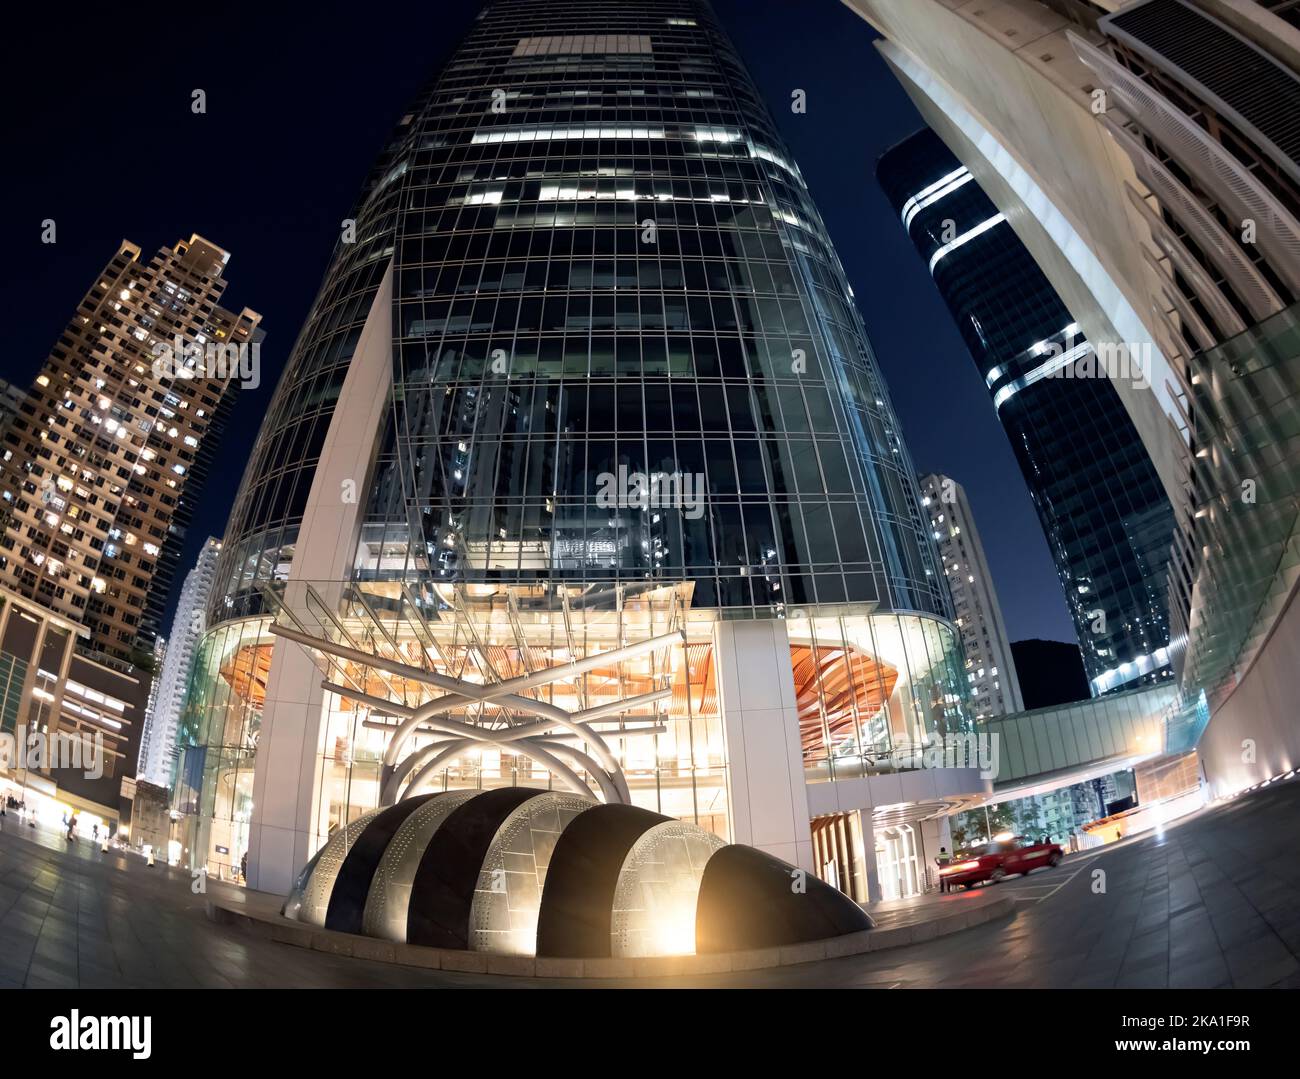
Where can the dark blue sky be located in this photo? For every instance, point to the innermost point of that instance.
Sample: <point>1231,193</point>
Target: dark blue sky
<point>301,98</point>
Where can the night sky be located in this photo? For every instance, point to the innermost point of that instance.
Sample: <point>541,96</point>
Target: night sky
<point>300,100</point>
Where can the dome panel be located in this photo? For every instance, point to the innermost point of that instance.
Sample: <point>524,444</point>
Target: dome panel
<point>390,890</point>
<point>309,900</point>
<point>442,893</point>
<point>654,901</point>
<point>347,901</point>
<point>520,871</point>
<point>577,905</point>
<point>508,896</point>
<point>749,899</point>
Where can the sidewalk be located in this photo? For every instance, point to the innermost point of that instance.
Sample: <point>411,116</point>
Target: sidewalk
<point>932,906</point>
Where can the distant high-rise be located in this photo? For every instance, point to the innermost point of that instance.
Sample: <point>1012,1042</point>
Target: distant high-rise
<point>1001,85</point>
<point>990,667</point>
<point>100,464</point>
<point>1108,524</point>
<point>105,453</point>
<point>158,741</point>
<point>11,398</point>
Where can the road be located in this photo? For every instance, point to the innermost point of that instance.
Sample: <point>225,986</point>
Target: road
<point>1212,901</point>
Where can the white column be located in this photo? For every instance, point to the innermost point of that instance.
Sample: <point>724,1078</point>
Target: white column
<point>282,832</point>
<point>935,833</point>
<point>867,826</point>
<point>767,800</point>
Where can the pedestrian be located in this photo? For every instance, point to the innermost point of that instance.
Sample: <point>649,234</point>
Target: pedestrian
<point>72,827</point>
<point>942,861</point>
<point>243,868</point>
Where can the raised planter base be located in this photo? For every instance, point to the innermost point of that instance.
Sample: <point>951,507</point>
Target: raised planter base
<point>235,909</point>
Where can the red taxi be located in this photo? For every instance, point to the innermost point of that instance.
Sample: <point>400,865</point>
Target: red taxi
<point>1004,856</point>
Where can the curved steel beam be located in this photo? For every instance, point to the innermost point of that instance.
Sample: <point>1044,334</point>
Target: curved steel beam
<point>546,760</point>
<point>464,692</point>
<point>524,738</point>
<point>445,753</point>
<point>464,735</point>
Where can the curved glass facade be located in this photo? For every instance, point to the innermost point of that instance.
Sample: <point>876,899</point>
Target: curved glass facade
<point>624,347</point>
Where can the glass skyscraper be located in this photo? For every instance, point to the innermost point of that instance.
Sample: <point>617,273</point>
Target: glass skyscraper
<point>603,258</point>
<point>1108,523</point>
<point>585,373</point>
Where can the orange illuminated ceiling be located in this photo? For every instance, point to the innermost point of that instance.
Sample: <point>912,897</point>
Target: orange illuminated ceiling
<point>828,682</point>
<point>703,700</point>
<point>246,672</point>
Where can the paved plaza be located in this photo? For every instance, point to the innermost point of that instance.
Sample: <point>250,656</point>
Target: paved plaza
<point>1213,901</point>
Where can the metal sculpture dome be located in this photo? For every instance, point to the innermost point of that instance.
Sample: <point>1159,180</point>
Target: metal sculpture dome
<point>517,871</point>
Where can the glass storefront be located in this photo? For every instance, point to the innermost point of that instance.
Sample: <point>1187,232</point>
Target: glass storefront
<point>899,862</point>
<point>875,690</point>
<point>217,741</point>
<point>871,690</point>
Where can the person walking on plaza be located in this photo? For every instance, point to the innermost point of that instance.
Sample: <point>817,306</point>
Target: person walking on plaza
<point>72,827</point>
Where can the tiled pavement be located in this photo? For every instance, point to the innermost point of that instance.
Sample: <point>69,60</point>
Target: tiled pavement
<point>83,919</point>
<point>1214,901</point>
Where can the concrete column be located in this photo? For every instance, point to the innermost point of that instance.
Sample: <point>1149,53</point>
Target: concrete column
<point>27,709</point>
<point>934,833</point>
<point>767,799</point>
<point>865,823</point>
<point>282,834</point>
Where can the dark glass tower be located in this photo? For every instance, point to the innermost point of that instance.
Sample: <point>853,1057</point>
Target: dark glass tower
<point>605,264</point>
<point>1107,520</point>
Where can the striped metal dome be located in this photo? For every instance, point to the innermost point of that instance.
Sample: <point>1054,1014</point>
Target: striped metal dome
<point>517,871</point>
